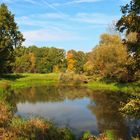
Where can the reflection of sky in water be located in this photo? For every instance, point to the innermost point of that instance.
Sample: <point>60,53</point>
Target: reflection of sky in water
<point>69,113</point>
<point>80,109</point>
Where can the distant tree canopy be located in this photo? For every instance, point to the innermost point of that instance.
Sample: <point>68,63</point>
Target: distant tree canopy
<point>10,38</point>
<point>45,60</point>
<point>39,60</point>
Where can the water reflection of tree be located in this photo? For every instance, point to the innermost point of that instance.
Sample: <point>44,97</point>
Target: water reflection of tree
<point>106,108</point>
<point>134,127</point>
<point>104,105</point>
<point>50,94</point>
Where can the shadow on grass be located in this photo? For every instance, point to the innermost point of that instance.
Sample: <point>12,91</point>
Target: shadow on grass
<point>12,77</point>
<point>122,86</point>
<point>135,86</point>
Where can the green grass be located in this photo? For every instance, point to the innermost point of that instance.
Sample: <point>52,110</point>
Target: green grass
<point>27,80</point>
<point>123,87</point>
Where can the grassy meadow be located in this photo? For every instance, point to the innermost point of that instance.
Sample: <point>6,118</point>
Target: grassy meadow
<point>27,80</point>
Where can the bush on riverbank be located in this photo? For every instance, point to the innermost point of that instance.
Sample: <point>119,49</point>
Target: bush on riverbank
<point>107,135</point>
<point>72,79</point>
<point>5,114</point>
<point>33,129</point>
<point>132,108</point>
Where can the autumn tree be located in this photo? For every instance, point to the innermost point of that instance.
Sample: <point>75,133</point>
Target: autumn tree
<point>70,61</point>
<point>76,61</point>
<point>108,59</point>
<point>130,24</point>
<point>10,38</point>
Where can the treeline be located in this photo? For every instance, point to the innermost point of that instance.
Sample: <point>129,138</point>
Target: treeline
<point>113,58</point>
<point>109,60</point>
<point>38,60</point>
<point>46,60</point>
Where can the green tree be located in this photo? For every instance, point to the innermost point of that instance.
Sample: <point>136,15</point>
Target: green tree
<point>80,58</point>
<point>10,37</point>
<point>130,23</point>
<point>48,59</point>
<point>25,61</point>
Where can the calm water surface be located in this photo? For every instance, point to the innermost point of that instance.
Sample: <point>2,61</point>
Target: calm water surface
<point>80,109</point>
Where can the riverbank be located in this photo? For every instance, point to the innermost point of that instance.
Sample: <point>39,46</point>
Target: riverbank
<point>122,87</point>
<point>28,80</point>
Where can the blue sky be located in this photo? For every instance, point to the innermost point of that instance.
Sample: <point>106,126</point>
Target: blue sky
<point>68,24</point>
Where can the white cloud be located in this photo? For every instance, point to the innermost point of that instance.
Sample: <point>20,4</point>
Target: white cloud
<point>31,1</point>
<point>82,1</point>
<point>123,2</point>
<point>46,3</point>
<point>50,16</point>
<point>94,18</point>
<point>44,19</point>
<point>47,32</point>
<point>14,1</point>
<point>8,1</point>
<point>75,2</point>
<point>44,35</point>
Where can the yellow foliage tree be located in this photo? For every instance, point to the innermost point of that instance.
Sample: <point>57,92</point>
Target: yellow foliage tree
<point>109,58</point>
<point>70,62</point>
<point>56,69</point>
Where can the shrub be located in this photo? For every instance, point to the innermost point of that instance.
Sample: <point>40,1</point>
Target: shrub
<point>132,108</point>
<point>6,134</point>
<point>38,129</point>
<point>87,136</point>
<point>5,114</point>
<point>72,79</point>
<point>4,85</point>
